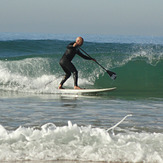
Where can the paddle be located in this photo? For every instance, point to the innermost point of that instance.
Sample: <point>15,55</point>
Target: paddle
<point>111,74</point>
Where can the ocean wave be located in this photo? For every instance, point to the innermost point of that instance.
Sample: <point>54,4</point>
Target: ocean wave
<point>28,65</point>
<point>32,74</point>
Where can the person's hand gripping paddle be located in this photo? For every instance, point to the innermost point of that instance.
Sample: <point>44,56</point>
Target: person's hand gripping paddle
<point>113,75</point>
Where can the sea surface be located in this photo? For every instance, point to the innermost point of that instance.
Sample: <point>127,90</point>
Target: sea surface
<point>38,124</point>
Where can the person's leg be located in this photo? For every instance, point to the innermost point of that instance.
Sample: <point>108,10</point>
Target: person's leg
<point>69,68</point>
<point>67,75</point>
<point>75,75</point>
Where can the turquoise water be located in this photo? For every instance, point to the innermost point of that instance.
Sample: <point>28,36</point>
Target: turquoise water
<point>38,124</point>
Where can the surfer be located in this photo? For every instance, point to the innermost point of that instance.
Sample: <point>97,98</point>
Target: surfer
<point>66,64</point>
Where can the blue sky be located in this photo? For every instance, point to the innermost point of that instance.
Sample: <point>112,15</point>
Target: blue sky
<point>111,17</point>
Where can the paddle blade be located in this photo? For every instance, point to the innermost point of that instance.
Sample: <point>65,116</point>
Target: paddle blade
<point>113,75</point>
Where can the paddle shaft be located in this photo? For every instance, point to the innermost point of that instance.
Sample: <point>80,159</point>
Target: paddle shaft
<point>95,60</point>
<point>110,73</point>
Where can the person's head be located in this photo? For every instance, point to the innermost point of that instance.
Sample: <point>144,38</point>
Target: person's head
<point>79,41</point>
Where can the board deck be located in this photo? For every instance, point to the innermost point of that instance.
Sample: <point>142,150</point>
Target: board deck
<point>85,91</point>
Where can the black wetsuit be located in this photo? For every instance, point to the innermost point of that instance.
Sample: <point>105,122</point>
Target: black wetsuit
<point>67,65</point>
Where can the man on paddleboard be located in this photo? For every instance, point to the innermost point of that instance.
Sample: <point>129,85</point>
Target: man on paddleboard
<point>66,64</point>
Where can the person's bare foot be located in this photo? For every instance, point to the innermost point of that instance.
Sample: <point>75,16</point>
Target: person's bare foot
<point>76,87</point>
<point>60,87</point>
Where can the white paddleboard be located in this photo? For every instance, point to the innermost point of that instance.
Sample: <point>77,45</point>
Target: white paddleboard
<point>84,91</point>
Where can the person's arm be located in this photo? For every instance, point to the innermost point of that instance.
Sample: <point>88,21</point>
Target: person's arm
<point>84,56</point>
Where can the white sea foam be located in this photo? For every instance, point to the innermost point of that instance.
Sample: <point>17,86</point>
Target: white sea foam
<point>146,55</point>
<point>73,142</point>
<point>28,75</point>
